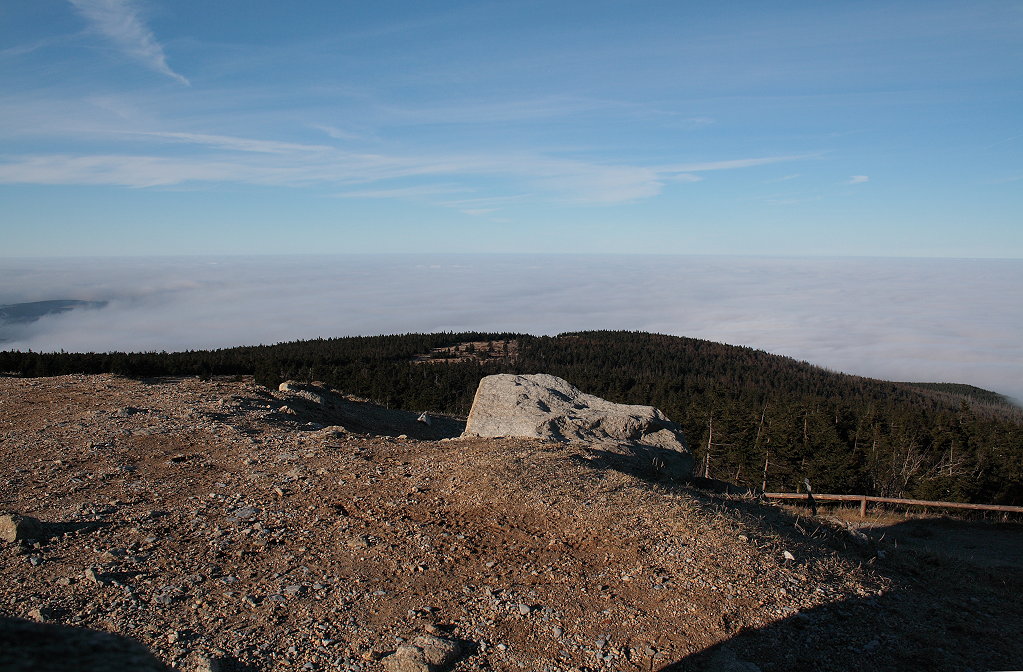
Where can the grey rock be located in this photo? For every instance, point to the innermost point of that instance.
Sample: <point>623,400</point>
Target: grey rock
<point>331,415</point>
<point>543,406</point>
<point>425,653</point>
<point>307,391</point>
<point>14,527</point>
<point>97,577</point>
<point>243,514</point>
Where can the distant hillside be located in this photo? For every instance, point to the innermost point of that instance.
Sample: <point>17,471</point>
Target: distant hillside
<point>967,393</point>
<point>741,408</point>
<point>21,313</point>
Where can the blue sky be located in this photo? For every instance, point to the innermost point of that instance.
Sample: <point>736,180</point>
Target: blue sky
<point>779,128</point>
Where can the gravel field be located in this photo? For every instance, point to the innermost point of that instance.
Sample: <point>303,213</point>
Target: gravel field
<point>224,526</point>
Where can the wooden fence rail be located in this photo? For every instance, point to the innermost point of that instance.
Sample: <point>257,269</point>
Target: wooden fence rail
<point>864,499</point>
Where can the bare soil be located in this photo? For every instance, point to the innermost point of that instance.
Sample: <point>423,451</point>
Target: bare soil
<point>470,351</point>
<point>222,532</point>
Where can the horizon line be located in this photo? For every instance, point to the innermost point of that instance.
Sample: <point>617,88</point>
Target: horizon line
<point>294,255</point>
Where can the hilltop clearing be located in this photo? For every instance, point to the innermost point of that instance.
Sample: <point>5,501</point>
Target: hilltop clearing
<point>225,527</point>
<point>739,408</point>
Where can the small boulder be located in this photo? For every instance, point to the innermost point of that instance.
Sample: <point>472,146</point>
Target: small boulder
<point>14,527</point>
<point>244,514</point>
<point>97,577</point>
<point>425,653</point>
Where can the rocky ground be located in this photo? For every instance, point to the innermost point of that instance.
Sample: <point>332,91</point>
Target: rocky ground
<point>228,527</point>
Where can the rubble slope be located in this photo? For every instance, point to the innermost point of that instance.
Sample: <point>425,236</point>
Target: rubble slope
<point>221,532</point>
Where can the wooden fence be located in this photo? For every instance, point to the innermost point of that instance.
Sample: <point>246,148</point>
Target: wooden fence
<point>865,499</point>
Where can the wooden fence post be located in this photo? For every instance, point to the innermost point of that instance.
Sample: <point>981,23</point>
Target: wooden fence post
<point>809,496</point>
<point>863,507</point>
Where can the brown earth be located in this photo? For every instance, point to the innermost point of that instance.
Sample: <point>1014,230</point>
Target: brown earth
<point>470,351</point>
<point>222,532</point>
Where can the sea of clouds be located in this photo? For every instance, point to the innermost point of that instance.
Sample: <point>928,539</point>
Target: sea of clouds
<point>954,320</point>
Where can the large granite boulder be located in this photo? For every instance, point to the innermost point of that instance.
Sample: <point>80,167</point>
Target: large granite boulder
<point>543,406</point>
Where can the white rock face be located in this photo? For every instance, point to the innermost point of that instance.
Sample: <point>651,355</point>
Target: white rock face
<point>543,406</point>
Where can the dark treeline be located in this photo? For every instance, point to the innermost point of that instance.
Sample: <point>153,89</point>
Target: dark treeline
<point>741,408</point>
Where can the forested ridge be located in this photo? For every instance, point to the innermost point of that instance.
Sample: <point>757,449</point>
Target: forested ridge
<point>740,407</point>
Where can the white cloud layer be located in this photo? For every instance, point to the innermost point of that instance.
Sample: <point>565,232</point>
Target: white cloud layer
<point>948,320</point>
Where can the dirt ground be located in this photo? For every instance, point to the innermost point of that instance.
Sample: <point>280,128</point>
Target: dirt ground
<point>993,546</point>
<point>994,541</point>
<point>469,351</point>
<point>226,526</point>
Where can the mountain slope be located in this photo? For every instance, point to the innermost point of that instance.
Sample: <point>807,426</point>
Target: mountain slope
<point>22,313</point>
<point>221,528</point>
<point>750,417</point>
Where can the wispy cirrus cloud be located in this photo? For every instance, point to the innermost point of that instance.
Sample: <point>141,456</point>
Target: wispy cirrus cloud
<point>119,170</point>
<point>858,179</point>
<point>338,133</point>
<point>210,157</point>
<point>277,164</point>
<point>502,110</point>
<point>235,143</point>
<point>732,164</point>
<point>119,21</point>
<point>404,192</point>
<point>684,177</point>
<point>477,207</point>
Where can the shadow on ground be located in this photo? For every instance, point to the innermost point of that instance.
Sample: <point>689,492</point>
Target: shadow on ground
<point>944,610</point>
<point>952,601</point>
<point>313,406</point>
<point>911,627</point>
<point>28,646</point>
<point>31,646</point>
